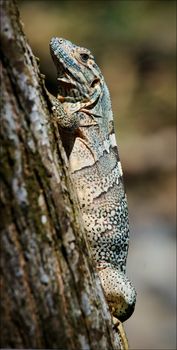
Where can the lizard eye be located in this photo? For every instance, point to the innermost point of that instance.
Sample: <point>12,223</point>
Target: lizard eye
<point>84,57</point>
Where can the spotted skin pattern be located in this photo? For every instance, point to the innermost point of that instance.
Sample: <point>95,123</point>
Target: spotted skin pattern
<point>95,167</point>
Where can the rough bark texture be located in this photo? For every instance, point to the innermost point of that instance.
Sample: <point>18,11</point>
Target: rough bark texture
<point>51,296</point>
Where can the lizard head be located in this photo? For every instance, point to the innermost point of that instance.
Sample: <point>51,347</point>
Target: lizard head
<point>79,77</point>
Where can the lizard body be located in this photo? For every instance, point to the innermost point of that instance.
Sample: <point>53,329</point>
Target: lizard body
<point>90,144</point>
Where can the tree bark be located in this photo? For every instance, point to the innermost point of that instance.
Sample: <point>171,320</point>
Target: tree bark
<point>50,296</point>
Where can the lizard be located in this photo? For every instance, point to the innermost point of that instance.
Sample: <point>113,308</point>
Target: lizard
<point>88,136</point>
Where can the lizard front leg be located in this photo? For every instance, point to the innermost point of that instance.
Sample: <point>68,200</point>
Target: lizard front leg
<point>65,120</point>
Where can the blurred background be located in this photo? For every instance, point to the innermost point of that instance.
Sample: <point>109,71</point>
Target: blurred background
<point>134,43</point>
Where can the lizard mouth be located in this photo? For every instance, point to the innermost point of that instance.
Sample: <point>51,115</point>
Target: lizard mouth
<point>65,77</point>
<point>65,82</point>
<point>65,87</point>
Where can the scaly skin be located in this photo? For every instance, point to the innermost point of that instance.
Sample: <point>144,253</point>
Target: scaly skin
<point>89,140</point>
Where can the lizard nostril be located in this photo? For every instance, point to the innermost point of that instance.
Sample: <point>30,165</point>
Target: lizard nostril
<point>54,43</point>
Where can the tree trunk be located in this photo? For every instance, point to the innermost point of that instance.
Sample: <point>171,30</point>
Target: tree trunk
<point>51,296</point>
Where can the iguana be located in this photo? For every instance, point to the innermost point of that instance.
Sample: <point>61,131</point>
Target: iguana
<point>90,144</point>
